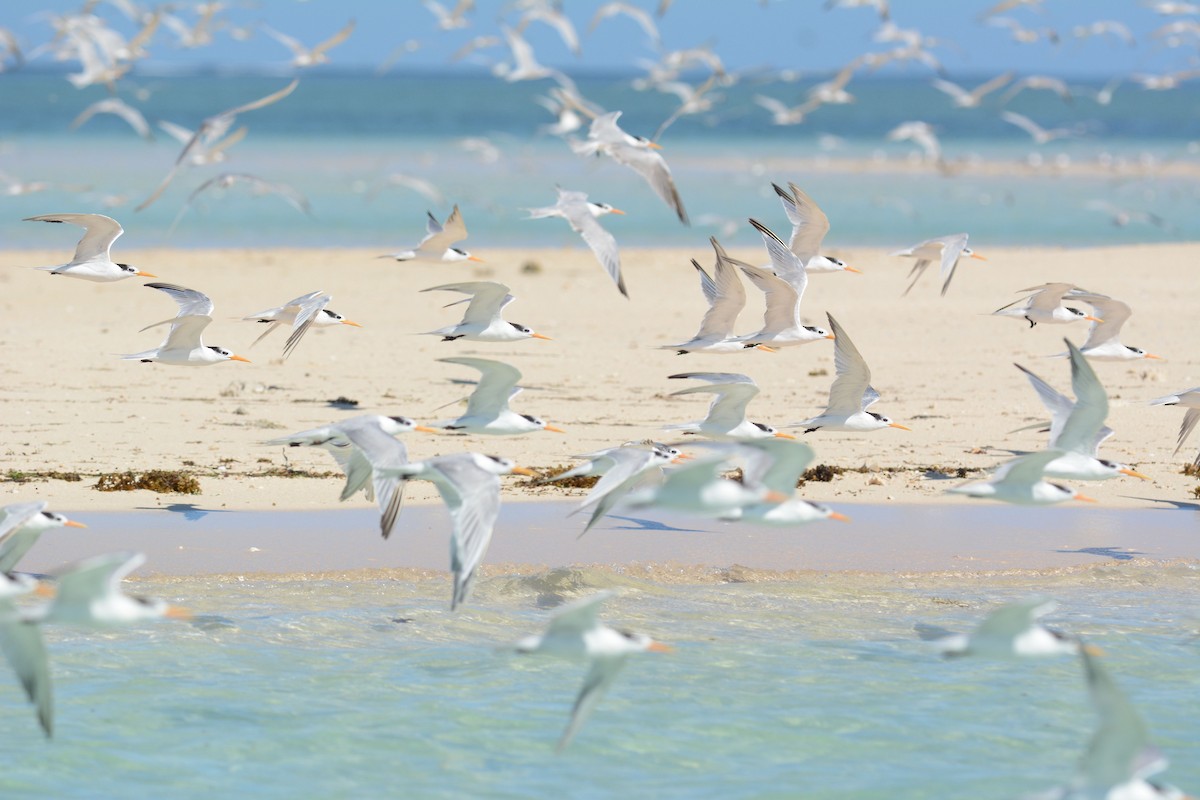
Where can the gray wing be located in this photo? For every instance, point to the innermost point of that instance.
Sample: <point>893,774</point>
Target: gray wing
<point>1009,621</point>
<point>848,393</point>
<point>725,294</point>
<point>916,272</point>
<point>952,247</point>
<point>778,464</point>
<point>574,618</point>
<point>21,643</point>
<point>440,238</point>
<point>185,333</point>
<point>1113,312</point>
<point>1185,428</point>
<point>1026,470</point>
<point>91,579</point>
<point>497,381</point>
<point>1049,296</point>
<point>487,298</point>
<point>99,233</point>
<point>190,301</point>
<point>1091,408</point>
<point>809,223</point>
<point>384,453</point>
<point>1059,405</point>
<point>654,170</point>
<point>600,676</point>
<point>15,542</point>
<point>784,262</point>
<point>782,299</point>
<point>627,473</point>
<point>472,496</point>
<point>310,307</point>
<point>1120,747</point>
<point>602,243</point>
<point>733,393</point>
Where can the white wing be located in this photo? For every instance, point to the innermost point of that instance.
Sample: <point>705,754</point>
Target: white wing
<point>600,676</point>
<point>472,496</point>
<point>779,465</point>
<point>190,301</point>
<point>1026,470</point>
<point>93,578</point>
<point>952,247</point>
<point>497,381</point>
<point>487,299</point>
<point>1082,427</point>
<point>573,619</point>
<point>440,238</point>
<point>21,643</point>
<point>654,170</point>
<point>309,307</point>
<point>809,223</point>
<point>733,393</point>
<point>14,542</point>
<point>725,294</point>
<point>1113,312</point>
<point>602,243</point>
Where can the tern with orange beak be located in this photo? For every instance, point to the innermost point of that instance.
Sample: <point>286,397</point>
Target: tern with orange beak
<point>1045,306</point>
<point>783,286</point>
<point>851,394</point>
<point>304,312</point>
<point>726,420</point>
<point>92,261</point>
<point>1104,337</point>
<point>437,246</point>
<point>482,321</point>
<point>21,525</point>
<point>581,214</point>
<point>698,487</point>
<point>605,137</point>
<point>487,407</point>
<point>778,465</point>
<point>575,632</point>
<point>89,594</point>
<point>625,468</point>
<point>946,250</point>
<point>1020,482</point>
<point>809,226</point>
<point>184,346</point>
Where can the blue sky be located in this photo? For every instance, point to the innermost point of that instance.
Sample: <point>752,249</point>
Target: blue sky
<point>791,34</point>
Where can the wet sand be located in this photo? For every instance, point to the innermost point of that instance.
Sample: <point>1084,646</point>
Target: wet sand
<point>192,539</point>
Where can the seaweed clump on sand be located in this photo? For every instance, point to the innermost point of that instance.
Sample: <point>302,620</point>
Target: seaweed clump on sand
<point>546,479</point>
<point>821,473</point>
<point>163,481</point>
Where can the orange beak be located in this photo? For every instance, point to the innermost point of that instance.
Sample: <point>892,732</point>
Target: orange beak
<point>616,211</point>
<point>1151,355</point>
<point>1094,319</point>
<point>684,457</point>
<point>766,349</point>
<point>73,524</point>
<point>654,145</point>
<point>177,612</point>
<point>44,590</point>
<point>784,436</point>
<point>476,258</point>
<point>145,274</point>
<point>976,255</point>
<point>1084,498</point>
<point>1093,651</point>
<point>898,425</point>
<point>540,336</point>
<point>839,517</point>
<point>852,269</point>
<point>775,497</point>
<point>659,647</point>
<point>1134,474</point>
<point>525,471</point>
<point>555,429</point>
<point>830,336</point>
<point>426,429</point>
<point>351,323</point>
<point>240,358</point>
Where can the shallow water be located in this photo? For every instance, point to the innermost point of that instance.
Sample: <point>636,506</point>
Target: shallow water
<point>810,684</point>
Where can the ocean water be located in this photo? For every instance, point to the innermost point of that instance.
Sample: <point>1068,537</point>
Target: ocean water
<point>365,685</point>
<point>338,135</point>
<point>349,682</point>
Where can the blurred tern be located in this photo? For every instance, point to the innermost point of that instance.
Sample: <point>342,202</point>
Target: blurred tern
<point>23,648</point>
<point>1045,306</point>
<point>482,321</point>
<point>851,393</point>
<point>778,466</point>
<point>1189,399</point>
<point>623,469</point>
<point>436,246</point>
<point>946,250</point>
<point>21,525</point>
<point>575,632</point>
<point>1104,338</point>
<point>605,137</point>
<point>92,261</point>
<point>309,56</point>
<point>971,99</point>
<point>184,345</point>
<point>304,312</point>
<point>581,213</point>
<point>1077,427</point>
<point>487,407</point>
<point>116,107</point>
<point>469,484</point>
<point>211,129</point>
<point>1020,482</point>
<point>89,593</point>
<point>809,227</point>
<point>726,297</point>
<point>258,187</point>
<point>1011,630</point>
<point>784,289</point>
<point>726,419</point>
<point>373,442</point>
<point>698,488</point>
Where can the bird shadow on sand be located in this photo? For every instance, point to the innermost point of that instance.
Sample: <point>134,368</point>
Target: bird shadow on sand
<point>1178,505</point>
<point>190,511</point>
<point>639,524</point>
<point>1115,553</point>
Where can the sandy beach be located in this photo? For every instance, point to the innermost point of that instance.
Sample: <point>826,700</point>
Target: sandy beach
<point>943,367</point>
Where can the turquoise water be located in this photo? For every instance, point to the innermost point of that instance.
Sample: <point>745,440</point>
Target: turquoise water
<point>366,685</point>
<point>338,135</point>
